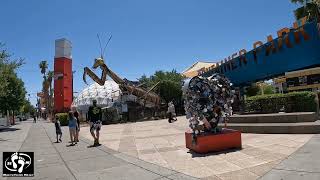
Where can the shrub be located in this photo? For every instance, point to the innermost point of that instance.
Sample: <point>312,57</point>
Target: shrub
<point>273,103</point>
<point>63,117</point>
<point>252,90</point>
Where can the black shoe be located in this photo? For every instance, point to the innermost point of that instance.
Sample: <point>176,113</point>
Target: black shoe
<point>97,144</point>
<point>60,140</point>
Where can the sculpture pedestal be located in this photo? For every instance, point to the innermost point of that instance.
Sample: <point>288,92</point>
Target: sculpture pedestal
<point>208,142</point>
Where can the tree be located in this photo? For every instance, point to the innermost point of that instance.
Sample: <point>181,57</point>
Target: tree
<point>49,81</point>
<point>45,85</point>
<point>259,88</point>
<point>28,108</point>
<point>12,90</point>
<point>266,88</point>
<point>252,90</point>
<point>309,8</point>
<point>145,81</point>
<point>43,66</point>
<point>170,91</point>
<point>7,64</point>
<point>169,88</point>
<point>50,78</point>
<point>13,94</point>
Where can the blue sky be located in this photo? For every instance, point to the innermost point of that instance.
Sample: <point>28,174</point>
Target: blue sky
<point>148,35</point>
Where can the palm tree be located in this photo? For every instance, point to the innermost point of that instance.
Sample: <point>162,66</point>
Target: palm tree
<point>50,77</point>
<point>43,66</point>
<point>49,81</point>
<point>310,8</point>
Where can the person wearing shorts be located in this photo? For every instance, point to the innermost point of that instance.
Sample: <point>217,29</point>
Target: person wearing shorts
<point>58,129</point>
<point>72,128</point>
<point>95,116</point>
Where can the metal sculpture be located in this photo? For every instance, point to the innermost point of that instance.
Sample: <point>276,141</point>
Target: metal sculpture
<point>138,91</point>
<point>207,100</point>
<point>142,94</point>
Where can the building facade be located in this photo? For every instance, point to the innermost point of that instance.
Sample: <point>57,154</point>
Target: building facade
<point>302,80</point>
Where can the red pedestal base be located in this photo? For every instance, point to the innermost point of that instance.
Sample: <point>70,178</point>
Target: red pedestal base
<point>227,139</point>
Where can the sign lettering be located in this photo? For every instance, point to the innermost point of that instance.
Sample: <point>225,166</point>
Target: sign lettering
<point>272,46</point>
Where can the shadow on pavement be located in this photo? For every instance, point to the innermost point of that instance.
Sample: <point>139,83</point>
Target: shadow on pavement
<point>91,146</point>
<point>6,129</point>
<point>195,154</point>
<point>70,145</point>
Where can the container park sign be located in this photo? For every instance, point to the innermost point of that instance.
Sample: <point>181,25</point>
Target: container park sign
<point>295,48</point>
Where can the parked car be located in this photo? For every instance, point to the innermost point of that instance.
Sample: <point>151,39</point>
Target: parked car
<point>21,118</point>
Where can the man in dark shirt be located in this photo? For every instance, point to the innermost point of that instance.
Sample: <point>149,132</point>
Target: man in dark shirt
<point>95,118</point>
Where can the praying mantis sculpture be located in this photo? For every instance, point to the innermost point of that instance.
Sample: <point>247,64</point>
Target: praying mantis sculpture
<point>141,93</point>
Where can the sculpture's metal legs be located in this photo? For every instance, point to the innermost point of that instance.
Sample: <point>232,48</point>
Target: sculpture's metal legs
<point>94,77</point>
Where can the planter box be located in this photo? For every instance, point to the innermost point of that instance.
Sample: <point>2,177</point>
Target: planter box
<point>208,142</point>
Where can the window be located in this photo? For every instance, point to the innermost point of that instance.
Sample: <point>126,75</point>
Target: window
<point>302,80</point>
<point>291,82</point>
<point>314,79</point>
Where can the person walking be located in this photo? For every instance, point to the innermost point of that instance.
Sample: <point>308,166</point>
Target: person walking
<point>58,129</point>
<point>171,112</point>
<point>34,119</point>
<point>72,128</point>
<point>76,115</point>
<point>95,120</point>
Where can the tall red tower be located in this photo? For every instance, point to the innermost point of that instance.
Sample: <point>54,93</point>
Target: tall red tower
<point>62,75</point>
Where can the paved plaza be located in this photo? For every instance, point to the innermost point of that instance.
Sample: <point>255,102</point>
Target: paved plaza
<point>303,164</point>
<point>156,150</point>
<point>57,161</point>
<point>163,144</point>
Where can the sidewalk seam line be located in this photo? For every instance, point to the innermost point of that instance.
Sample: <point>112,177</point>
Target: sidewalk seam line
<point>162,176</point>
<point>167,176</point>
<point>6,178</point>
<point>294,170</point>
<point>86,158</point>
<point>64,162</point>
<point>25,137</point>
